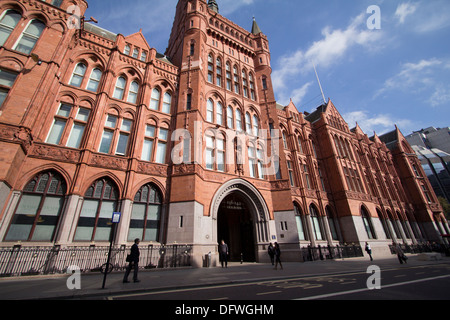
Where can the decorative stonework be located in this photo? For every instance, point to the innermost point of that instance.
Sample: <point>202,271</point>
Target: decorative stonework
<point>55,153</point>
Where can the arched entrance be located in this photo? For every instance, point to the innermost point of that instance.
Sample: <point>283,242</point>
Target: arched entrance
<point>241,218</point>
<point>235,225</point>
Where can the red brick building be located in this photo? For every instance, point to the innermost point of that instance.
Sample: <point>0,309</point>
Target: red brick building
<point>93,122</point>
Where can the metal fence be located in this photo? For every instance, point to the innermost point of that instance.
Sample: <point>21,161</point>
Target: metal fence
<point>19,260</point>
<point>331,252</point>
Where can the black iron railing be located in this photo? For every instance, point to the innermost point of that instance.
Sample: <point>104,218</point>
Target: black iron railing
<point>331,252</point>
<point>423,248</point>
<point>22,260</point>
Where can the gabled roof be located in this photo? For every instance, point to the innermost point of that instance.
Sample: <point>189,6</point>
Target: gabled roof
<point>138,39</point>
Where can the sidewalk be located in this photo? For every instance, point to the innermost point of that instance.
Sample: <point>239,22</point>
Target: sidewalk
<point>55,287</point>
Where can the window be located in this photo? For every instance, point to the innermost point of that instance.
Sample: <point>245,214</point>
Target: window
<point>59,124</point>
<point>210,69</point>
<point>147,150</point>
<point>135,53</point>
<point>315,222</point>
<point>167,103</point>
<point>291,173</point>
<point>238,120</point>
<point>215,153</point>
<point>162,146</point>
<point>56,3</point>
<point>189,101</point>
<point>367,223</point>
<point>210,111</point>
<point>248,123</point>
<point>133,92</point>
<point>236,80</point>
<point>307,176</point>
<point>7,80</point>
<point>144,56</point>
<point>299,219</point>
<point>124,136</point>
<point>230,122</point>
<point>219,114</point>
<point>127,50</point>
<point>76,135</point>
<point>255,125</point>
<point>252,87</point>
<point>30,37</point>
<point>228,75</point>
<point>283,133</point>
<point>146,214</point>
<point>78,75</point>
<point>94,80</point>
<point>100,201</point>
<point>154,102</point>
<point>39,208</point>
<point>218,72</point>
<point>245,83</point>
<point>332,223</point>
<point>260,159</point>
<point>252,161</point>
<point>108,134</point>
<point>7,25</point>
<point>120,88</point>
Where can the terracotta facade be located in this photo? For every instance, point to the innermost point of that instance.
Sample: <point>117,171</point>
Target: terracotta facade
<point>93,122</point>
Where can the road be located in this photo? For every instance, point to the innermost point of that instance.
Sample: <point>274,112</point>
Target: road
<point>428,282</point>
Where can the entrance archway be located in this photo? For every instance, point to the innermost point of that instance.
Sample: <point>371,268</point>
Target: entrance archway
<point>235,225</point>
<point>241,218</point>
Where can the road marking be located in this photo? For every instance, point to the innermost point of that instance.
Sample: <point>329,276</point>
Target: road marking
<point>366,289</point>
<point>267,293</point>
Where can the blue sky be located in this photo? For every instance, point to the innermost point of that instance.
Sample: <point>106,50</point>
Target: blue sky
<point>396,75</point>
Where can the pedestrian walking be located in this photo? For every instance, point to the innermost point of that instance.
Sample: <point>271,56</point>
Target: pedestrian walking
<point>271,252</point>
<point>400,254</point>
<point>133,259</point>
<point>223,253</point>
<point>277,256</point>
<point>369,250</point>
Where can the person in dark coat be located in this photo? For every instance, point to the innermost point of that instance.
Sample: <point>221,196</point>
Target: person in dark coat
<point>271,252</point>
<point>277,256</point>
<point>223,253</point>
<point>134,262</point>
<point>369,250</point>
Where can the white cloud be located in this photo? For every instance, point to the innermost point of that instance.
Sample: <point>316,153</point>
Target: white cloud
<point>441,96</point>
<point>404,10</point>
<point>413,76</point>
<point>379,123</point>
<point>329,50</point>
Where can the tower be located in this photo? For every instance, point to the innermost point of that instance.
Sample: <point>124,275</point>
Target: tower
<point>226,101</point>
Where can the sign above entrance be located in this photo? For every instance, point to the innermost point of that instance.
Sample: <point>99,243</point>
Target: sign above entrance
<point>234,205</point>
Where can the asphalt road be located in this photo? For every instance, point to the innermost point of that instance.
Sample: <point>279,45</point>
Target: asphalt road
<point>428,282</point>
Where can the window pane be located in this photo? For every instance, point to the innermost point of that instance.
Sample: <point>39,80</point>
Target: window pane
<point>120,88</point>
<point>161,153</point>
<point>3,94</point>
<point>56,132</point>
<point>122,144</point>
<point>147,150</point>
<point>152,226</point>
<point>154,102</point>
<point>105,145</point>
<point>111,121</point>
<point>163,134</point>
<point>7,25</point>
<point>76,135</point>
<point>83,114</point>
<point>126,125</point>
<point>150,131</point>
<point>46,224</point>
<point>94,80</point>
<point>78,75</point>
<point>87,220</point>
<point>7,78</point>
<point>103,229</point>
<point>301,233</point>
<point>64,110</point>
<point>30,37</point>
<point>23,220</point>
<point>137,222</point>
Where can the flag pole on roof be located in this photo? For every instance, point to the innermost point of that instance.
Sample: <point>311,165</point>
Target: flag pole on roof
<point>318,81</point>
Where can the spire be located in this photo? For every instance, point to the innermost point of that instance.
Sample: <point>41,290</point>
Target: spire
<point>212,4</point>
<point>255,28</point>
